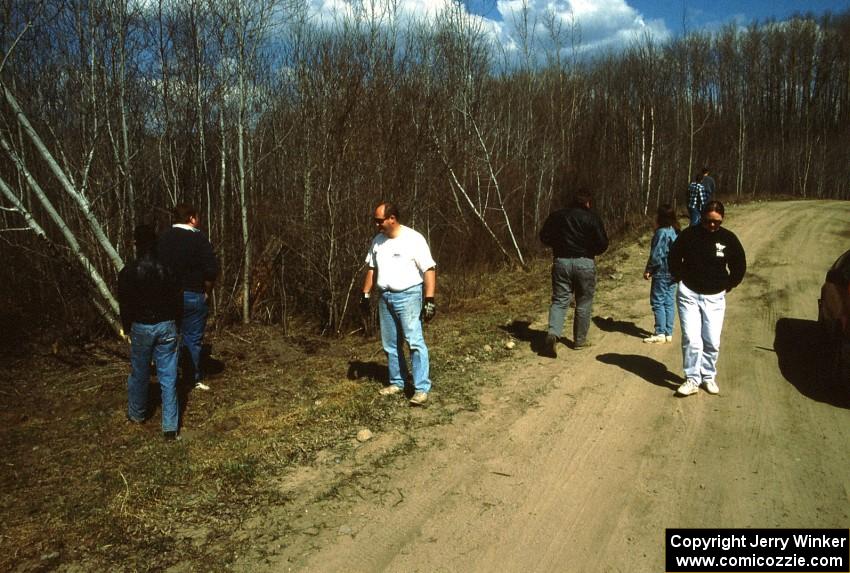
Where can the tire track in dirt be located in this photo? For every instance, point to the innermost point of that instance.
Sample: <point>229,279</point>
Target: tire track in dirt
<point>589,476</point>
<point>758,439</point>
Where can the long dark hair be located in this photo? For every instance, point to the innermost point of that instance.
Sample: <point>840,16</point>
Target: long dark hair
<point>666,217</point>
<point>714,207</point>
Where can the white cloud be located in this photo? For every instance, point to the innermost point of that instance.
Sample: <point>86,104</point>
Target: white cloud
<point>590,25</point>
<point>593,24</point>
<point>329,11</point>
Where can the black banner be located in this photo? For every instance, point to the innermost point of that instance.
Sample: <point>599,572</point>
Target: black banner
<point>760,550</point>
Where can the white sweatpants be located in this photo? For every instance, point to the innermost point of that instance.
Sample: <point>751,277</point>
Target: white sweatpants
<point>701,317</point>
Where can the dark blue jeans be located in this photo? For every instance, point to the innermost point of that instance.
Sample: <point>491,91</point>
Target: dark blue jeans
<point>195,311</point>
<point>156,342</point>
<point>572,277</point>
<point>694,216</point>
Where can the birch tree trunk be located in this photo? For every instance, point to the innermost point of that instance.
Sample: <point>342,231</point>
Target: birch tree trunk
<point>243,200</point>
<point>488,160</point>
<point>479,215</point>
<point>119,23</point>
<point>108,306</point>
<point>742,130</point>
<point>78,197</point>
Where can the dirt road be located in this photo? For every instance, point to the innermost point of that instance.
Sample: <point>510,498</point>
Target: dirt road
<point>605,458</point>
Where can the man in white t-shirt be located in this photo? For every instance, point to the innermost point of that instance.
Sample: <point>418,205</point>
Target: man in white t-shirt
<point>401,267</point>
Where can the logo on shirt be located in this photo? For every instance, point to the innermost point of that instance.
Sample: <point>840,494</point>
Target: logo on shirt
<point>720,248</point>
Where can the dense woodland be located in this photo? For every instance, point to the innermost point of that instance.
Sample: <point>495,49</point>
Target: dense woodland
<point>286,131</point>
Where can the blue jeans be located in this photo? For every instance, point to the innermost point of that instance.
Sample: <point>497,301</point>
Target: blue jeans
<point>399,315</point>
<point>195,311</point>
<point>158,342</point>
<point>662,294</point>
<point>694,215</point>
<point>572,277</point>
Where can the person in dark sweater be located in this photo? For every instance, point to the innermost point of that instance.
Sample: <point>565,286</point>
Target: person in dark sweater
<point>188,252</point>
<point>707,261</point>
<point>576,236</point>
<point>151,304</point>
<point>708,184</point>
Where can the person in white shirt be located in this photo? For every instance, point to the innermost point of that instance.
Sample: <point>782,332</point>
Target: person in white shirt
<point>400,265</point>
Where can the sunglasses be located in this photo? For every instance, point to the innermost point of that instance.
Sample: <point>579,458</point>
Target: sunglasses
<point>379,220</point>
<point>713,221</point>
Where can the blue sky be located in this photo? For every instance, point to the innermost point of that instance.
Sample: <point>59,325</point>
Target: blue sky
<point>592,25</point>
<point>712,14</point>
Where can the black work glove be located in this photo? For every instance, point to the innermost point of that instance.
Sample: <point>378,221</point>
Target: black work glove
<point>429,309</point>
<point>365,307</point>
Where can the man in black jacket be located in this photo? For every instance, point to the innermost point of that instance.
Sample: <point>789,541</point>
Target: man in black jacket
<point>186,250</point>
<point>150,302</point>
<point>576,235</point>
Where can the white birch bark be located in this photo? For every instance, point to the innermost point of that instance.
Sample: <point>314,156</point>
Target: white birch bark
<point>460,188</point>
<point>739,179</point>
<point>648,160</point>
<point>243,193</point>
<point>80,199</point>
<point>108,304</point>
<point>494,179</point>
<point>122,110</point>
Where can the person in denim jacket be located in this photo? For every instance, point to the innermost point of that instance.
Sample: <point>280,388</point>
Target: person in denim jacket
<point>662,290</point>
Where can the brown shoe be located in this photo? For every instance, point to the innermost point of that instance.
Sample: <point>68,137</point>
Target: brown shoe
<point>550,346</point>
<point>419,399</point>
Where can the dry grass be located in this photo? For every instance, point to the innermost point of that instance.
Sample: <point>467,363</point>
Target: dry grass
<point>82,488</point>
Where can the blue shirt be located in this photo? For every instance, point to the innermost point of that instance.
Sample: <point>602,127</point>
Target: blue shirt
<point>661,243</point>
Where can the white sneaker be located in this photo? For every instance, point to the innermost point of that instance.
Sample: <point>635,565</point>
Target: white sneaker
<point>201,386</point>
<point>668,338</point>
<point>654,339</point>
<point>688,388</point>
<point>390,390</point>
<point>419,398</point>
<point>710,386</point>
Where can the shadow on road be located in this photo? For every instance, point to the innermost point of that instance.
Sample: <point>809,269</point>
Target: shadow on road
<point>520,329</point>
<point>650,370</point>
<point>802,356</point>
<point>185,380</point>
<point>627,328</point>
<point>374,371</point>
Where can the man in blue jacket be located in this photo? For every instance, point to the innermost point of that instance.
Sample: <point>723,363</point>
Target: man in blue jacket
<point>576,235</point>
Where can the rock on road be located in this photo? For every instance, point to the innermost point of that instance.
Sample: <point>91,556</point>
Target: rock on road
<point>589,477</point>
